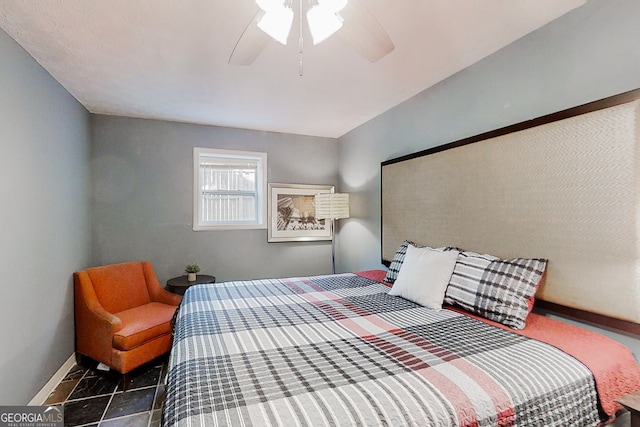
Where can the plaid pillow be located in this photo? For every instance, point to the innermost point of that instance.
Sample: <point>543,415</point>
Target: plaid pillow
<point>466,277</point>
<point>495,289</point>
<point>398,259</point>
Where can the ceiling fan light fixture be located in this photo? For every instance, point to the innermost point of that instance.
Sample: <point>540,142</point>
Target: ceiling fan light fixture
<point>323,20</point>
<point>276,21</point>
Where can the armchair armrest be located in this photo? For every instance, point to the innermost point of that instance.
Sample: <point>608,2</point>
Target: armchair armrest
<point>103,316</point>
<point>156,292</point>
<point>95,326</point>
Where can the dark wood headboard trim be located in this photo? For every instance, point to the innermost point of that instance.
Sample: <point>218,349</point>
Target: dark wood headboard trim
<point>617,325</point>
<point>611,101</point>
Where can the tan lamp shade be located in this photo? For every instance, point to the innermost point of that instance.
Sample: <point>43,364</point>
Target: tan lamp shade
<point>332,205</point>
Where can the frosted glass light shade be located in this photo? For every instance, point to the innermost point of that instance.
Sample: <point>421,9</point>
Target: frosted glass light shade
<point>276,21</point>
<point>323,22</point>
<point>332,205</point>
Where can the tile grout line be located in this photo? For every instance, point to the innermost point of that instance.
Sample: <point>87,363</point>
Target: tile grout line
<point>158,384</point>
<point>66,399</point>
<point>62,402</point>
<point>85,375</point>
<point>106,408</point>
<point>115,391</point>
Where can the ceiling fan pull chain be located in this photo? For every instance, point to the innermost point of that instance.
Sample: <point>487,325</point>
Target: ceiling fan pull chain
<point>300,41</point>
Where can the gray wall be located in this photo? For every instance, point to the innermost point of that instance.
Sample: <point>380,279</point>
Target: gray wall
<point>586,55</point>
<point>45,220</point>
<point>142,206</point>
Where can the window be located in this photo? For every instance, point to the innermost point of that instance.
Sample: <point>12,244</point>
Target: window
<point>230,189</point>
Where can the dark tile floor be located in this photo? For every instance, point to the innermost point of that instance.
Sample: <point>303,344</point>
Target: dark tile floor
<point>95,398</point>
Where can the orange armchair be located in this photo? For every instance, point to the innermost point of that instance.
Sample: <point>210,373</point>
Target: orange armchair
<point>122,315</point>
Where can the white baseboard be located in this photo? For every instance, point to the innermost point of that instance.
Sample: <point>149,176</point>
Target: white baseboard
<point>43,394</point>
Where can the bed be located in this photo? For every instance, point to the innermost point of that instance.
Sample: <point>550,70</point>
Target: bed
<point>339,350</point>
<point>462,348</point>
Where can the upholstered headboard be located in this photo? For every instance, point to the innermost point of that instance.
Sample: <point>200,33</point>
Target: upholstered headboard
<point>564,187</point>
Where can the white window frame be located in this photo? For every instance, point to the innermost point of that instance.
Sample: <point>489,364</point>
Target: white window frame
<point>261,189</point>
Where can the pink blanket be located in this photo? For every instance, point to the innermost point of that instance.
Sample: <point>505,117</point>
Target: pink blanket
<point>613,366</point>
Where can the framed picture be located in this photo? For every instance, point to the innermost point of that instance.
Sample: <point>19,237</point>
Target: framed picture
<point>292,213</point>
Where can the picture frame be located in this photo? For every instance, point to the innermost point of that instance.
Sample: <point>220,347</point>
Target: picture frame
<point>291,210</point>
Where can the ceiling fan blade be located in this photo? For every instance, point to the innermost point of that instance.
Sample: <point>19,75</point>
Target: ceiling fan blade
<point>363,32</point>
<point>250,44</point>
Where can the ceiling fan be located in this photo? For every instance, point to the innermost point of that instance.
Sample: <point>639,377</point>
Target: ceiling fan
<point>350,19</point>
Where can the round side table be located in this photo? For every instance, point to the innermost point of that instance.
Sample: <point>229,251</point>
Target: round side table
<point>180,284</point>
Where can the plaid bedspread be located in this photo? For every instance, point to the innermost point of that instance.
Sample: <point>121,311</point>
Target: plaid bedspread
<point>339,351</point>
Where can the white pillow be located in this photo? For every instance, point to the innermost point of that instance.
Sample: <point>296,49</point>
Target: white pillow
<point>424,276</point>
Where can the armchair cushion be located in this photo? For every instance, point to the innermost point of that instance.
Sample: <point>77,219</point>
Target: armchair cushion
<point>143,324</point>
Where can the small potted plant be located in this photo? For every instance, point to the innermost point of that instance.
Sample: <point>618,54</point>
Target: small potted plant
<point>191,270</point>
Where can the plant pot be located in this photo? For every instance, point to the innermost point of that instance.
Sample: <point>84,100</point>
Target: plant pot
<point>191,277</point>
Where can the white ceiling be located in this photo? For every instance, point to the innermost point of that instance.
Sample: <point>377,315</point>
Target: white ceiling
<point>167,59</point>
